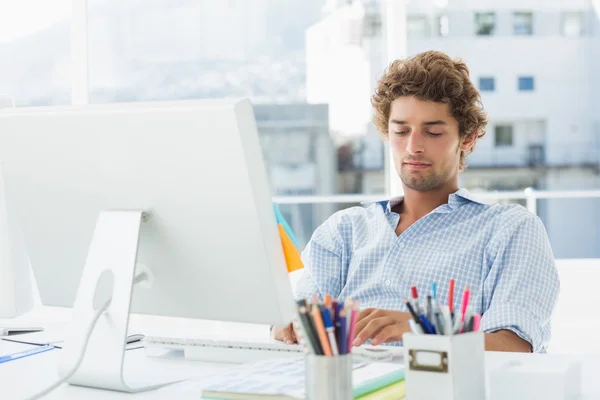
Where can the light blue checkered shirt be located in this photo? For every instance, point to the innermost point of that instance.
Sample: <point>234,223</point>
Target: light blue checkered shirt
<point>501,251</point>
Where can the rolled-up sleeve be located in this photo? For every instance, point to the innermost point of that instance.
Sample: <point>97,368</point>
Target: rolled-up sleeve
<point>324,261</point>
<point>522,285</point>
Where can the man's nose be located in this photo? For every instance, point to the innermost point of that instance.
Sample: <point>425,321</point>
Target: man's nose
<point>414,145</point>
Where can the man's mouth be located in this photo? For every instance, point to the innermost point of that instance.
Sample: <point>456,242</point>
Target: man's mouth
<point>416,165</point>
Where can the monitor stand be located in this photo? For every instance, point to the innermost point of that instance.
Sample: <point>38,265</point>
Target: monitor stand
<point>111,263</point>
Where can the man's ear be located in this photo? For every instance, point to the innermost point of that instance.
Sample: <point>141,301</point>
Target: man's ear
<point>468,141</point>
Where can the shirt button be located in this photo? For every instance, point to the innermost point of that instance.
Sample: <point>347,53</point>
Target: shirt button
<point>401,245</point>
<point>388,282</point>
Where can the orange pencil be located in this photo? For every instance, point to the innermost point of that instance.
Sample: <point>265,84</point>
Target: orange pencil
<point>328,301</point>
<point>316,313</point>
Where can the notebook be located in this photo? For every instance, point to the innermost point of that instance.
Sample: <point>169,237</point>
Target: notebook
<point>284,380</point>
<point>395,391</point>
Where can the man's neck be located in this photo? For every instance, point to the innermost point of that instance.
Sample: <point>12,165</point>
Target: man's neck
<point>418,204</point>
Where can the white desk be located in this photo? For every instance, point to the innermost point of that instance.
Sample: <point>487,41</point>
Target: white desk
<point>26,376</point>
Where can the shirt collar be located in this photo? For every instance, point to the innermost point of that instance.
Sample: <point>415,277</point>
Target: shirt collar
<point>455,199</point>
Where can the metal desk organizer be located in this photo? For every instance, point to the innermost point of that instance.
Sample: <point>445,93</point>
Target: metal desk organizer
<point>445,367</point>
<point>329,378</point>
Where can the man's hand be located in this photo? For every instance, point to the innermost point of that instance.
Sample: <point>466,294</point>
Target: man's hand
<point>285,334</point>
<point>381,326</point>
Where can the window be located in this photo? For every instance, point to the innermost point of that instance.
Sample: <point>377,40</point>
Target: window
<point>485,23</point>
<point>503,135</point>
<point>166,50</point>
<point>417,27</point>
<point>572,24</point>
<point>487,84</point>
<point>443,25</point>
<point>526,84</point>
<point>35,53</point>
<point>522,23</point>
<point>372,27</point>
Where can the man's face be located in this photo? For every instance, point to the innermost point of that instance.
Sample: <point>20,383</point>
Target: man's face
<point>425,143</point>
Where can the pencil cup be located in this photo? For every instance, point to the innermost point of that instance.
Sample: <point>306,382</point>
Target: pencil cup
<point>445,367</point>
<point>328,378</point>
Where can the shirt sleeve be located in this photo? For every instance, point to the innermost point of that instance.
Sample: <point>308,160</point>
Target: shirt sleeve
<point>522,284</point>
<point>324,262</point>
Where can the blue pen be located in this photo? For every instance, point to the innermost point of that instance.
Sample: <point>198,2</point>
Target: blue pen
<point>330,330</point>
<point>434,290</point>
<point>428,325</point>
<point>28,352</point>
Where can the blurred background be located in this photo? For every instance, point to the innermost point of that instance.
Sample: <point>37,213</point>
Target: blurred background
<point>310,67</point>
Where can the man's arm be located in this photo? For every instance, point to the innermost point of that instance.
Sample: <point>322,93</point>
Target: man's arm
<point>386,326</point>
<point>521,287</point>
<point>505,340</point>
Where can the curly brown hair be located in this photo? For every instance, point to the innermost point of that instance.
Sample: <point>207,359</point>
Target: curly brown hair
<point>432,76</point>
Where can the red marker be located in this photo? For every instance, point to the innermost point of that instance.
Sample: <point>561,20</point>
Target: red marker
<point>415,296</point>
<point>451,296</point>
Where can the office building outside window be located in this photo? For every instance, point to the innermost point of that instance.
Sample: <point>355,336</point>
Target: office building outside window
<point>572,24</point>
<point>503,135</point>
<point>522,23</point>
<point>487,84</point>
<point>443,25</point>
<point>526,83</point>
<point>485,23</point>
<point>417,27</point>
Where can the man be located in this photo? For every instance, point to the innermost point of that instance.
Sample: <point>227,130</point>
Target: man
<point>431,114</point>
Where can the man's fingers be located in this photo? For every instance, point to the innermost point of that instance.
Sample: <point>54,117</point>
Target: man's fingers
<point>364,313</point>
<point>391,333</point>
<point>367,316</point>
<point>288,335</point>
<point>371,329</point>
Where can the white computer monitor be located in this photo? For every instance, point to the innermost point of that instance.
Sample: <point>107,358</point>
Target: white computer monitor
<point>179,188</point>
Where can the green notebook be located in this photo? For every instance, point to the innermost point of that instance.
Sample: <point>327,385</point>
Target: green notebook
<point>376,376</point>
<point>395,391</point>
<point>283,379</point>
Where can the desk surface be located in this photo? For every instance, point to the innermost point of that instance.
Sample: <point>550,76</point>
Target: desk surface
<point>24,377</point>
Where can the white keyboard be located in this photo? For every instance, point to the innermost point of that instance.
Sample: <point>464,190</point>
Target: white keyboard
<point>244,351</point>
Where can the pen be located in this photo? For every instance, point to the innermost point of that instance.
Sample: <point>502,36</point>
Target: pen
<point>309,328</point>
<point>353,320</point>
<point>414,315</point>
<point>434,290</point>
<point>415,296</point>
<point>463,308</point>
<point>447,320</point>
<point>428,325</point>
<point>313,330</point>
<point>429,309</point>
<point>414,327</point>
<point>440,326</point>
<point>341,326</point>
<point>476,322</point>
<point>451,298</point>
<point>25,353</point>
<point>334,311</point>
<point>330,330</point>
<point>316,314</point>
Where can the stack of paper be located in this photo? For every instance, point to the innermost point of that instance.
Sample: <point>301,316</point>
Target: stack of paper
<point>284,380</point>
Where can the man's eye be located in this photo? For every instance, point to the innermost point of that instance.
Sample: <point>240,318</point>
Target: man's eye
<point>402,133</point>
<point>434,134</point>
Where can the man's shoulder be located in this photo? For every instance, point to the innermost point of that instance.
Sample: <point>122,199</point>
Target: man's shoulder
<point>511,214</point>
<point>507,219</point>
<point>358,214</point>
